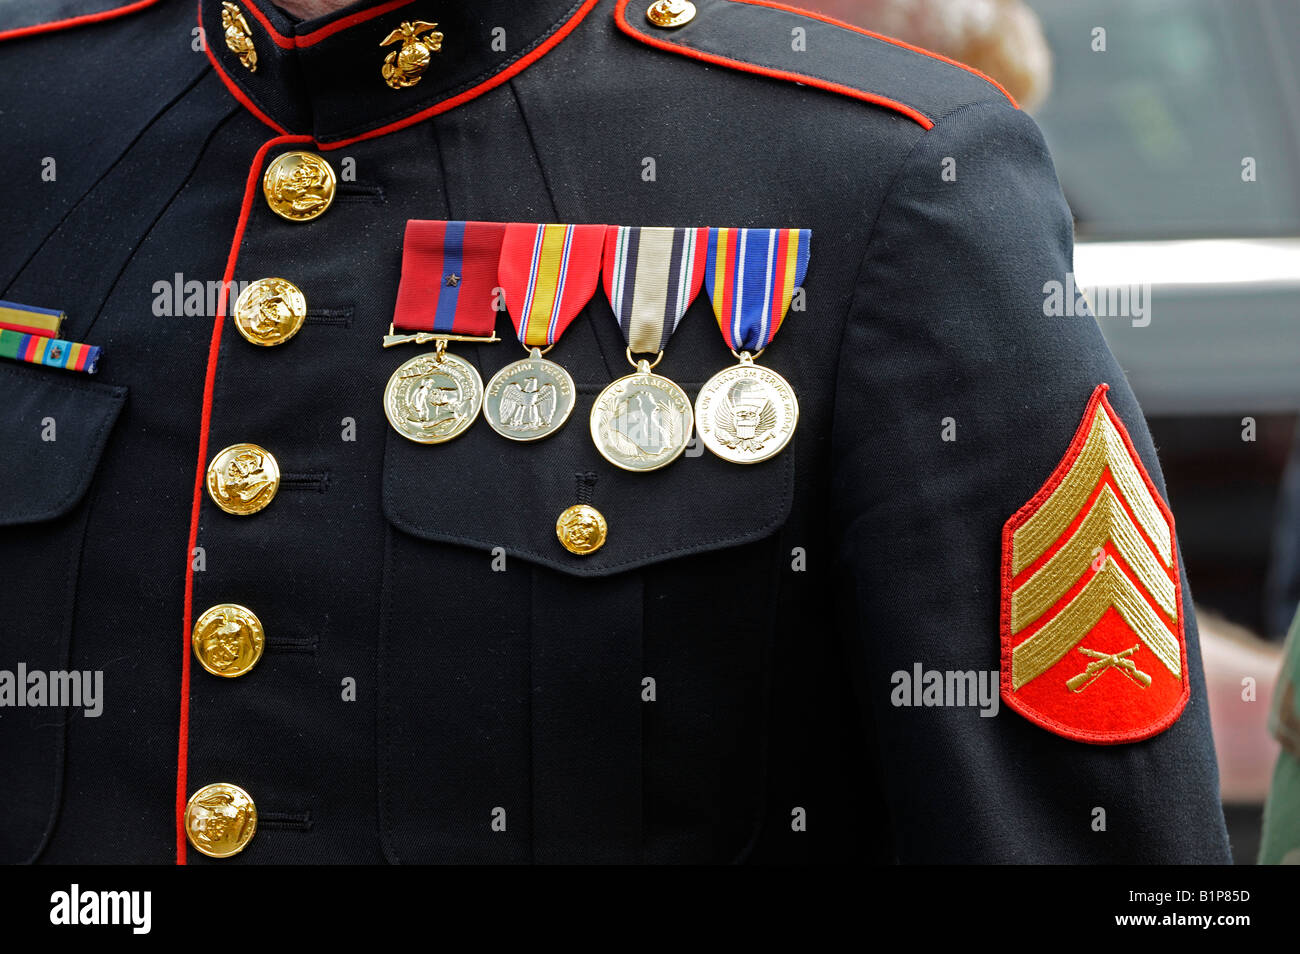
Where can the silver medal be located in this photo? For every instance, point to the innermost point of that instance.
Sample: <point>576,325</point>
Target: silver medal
<point>530,399</point>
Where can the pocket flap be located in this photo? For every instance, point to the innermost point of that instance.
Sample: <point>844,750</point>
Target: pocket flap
<point>53,430</point>
<point>482,490</point>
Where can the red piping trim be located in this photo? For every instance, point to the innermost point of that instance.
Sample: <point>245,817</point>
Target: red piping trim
<point>328,30</point>
<point>915,115</point>
<point>343,23</point>
<point>278,38</point>
<point>54,25</point>
<point>234,89</point>
<point>490,83</point>
<point>887,39</point>
<point>209,385</point>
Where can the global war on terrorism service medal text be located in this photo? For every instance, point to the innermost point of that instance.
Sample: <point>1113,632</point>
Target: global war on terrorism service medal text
<point>746,413</point>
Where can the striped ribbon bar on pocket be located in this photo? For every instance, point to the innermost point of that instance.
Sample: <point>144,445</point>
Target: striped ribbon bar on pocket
<point>49,352</point>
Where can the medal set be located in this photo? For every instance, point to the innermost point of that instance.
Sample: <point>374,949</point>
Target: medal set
<point>456,276</point>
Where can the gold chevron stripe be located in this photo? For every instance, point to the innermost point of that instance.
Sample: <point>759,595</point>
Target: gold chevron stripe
<point>1111,587</point>
<point>1103,447</point>
<point>1107,520</point>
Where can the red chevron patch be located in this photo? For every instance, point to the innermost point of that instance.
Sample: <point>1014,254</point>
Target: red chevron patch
<point>1092,620</point>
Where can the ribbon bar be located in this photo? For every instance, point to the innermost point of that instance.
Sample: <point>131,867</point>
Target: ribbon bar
<point>751,277</point>
<point>449,280</point>
<point>48,352</point>
<point>548,274</point>
<point>30,320</point>
<point>651,276</point>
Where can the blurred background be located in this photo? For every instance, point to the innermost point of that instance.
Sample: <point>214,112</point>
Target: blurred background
<point>1175,127</point>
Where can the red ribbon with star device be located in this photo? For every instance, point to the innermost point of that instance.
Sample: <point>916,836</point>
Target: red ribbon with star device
<point>449,282</point>
<point>448,293</point>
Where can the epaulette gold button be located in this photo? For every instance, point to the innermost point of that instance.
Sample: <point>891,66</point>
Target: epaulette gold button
<point>670,13</point>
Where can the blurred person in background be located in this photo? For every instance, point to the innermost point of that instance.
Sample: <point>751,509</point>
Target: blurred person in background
<point>1002,38</point>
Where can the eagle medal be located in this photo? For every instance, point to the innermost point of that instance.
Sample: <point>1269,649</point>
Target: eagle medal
<point>746,413</point>
<point>530,399</point>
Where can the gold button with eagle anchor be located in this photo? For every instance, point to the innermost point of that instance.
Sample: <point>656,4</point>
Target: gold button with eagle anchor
<point>270,311</point>
<point>669,14</point>
<point>228,639</point>
<point>220,820</point>
<point>299,186</point>
<point>243,479</point>
<point>581,529</point>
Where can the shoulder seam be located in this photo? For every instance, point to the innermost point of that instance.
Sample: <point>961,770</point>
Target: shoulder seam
<point>893,41</point>
<point>916,115</point>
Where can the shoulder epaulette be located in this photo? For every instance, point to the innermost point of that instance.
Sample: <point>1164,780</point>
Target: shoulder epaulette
<point>758,36</point>
<point>19,18</point>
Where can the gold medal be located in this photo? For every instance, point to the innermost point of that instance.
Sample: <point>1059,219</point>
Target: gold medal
<point>642,421</point>
<point>433,397</point>
<point>746,413</point>
<point>530,399</point>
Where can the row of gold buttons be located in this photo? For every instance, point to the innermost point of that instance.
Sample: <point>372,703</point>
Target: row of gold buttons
<point>228,639</point>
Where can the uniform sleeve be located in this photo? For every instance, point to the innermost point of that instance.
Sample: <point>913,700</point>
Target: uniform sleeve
<point>958,394</point>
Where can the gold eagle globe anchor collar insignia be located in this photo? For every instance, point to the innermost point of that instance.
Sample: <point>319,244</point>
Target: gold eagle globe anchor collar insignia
<point>670,14</point>
<point>746,414</point>
<point>405,66</point>
<point>239,38</point>
<point>547,275</point>
<point>643,421</point>
<point>447,293</point>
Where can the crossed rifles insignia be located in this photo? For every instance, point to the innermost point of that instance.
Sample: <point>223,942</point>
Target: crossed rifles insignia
<point>1093,559</point>
<point>1103,661</point>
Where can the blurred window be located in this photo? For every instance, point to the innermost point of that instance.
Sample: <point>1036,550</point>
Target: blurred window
<point>1149,136</point>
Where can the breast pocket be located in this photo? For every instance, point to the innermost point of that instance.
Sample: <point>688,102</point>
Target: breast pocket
<point>538,705</point>
<point>53,429</point>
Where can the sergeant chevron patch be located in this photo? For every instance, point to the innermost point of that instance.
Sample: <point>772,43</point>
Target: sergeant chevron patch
<point>1092,622</point>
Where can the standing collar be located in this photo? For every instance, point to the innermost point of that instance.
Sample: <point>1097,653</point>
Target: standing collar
<point>325,77</point>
